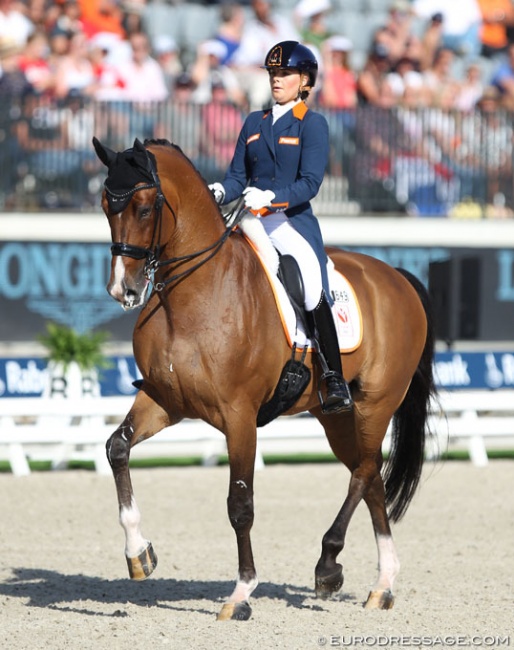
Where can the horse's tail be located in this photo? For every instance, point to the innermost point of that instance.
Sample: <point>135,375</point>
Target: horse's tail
<point>409,426</point>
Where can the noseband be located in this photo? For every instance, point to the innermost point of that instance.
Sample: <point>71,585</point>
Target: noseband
<point>152,254</point>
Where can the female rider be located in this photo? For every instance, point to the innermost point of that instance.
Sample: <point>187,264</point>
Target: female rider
<point>278,165</point>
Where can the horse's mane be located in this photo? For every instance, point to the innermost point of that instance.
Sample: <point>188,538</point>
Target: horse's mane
<point>163,142</point>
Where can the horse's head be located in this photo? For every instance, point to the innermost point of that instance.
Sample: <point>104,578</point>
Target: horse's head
<point>132,202</point>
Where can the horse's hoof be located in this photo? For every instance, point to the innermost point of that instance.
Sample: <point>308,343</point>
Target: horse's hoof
<point>142,566</point>
<point>235,611</point>
<point>380,600</point>
<point>327,585</point>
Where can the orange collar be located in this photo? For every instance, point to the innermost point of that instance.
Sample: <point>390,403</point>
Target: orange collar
<point>300,110</point>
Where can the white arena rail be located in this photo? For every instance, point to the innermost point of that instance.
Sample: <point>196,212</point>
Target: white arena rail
<point>61,430</point>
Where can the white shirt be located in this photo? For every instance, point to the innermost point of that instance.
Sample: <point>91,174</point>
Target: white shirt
<point>281,109</point>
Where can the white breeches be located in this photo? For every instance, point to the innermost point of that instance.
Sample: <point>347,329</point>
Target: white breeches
<point>287,240</point>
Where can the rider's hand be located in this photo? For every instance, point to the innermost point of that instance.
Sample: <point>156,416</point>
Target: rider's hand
<point>256,199</point>
<point>219,192</point>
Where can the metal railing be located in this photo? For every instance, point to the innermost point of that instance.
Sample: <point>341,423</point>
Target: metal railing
<point>426,162</point>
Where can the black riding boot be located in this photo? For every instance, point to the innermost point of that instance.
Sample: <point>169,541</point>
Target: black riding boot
<point>338,397</point>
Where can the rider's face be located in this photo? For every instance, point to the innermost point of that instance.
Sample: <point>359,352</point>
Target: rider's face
<point>284,84</point>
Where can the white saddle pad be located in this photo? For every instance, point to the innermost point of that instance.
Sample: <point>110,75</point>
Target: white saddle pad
<point>346,311</point>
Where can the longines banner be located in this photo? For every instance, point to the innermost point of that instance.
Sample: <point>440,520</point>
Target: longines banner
<point>65,282</point>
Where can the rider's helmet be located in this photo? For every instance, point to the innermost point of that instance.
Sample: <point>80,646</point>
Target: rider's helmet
<point>291,55</point>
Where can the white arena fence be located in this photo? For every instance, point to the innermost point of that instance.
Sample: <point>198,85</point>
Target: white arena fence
<point>64,430</point>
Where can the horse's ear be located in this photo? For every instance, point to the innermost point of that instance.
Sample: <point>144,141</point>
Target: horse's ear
<point>105,154</point>
<point>139,146</point>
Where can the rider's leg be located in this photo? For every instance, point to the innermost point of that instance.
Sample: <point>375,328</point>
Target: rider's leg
<point>338,397</point>
<point>288,240</point>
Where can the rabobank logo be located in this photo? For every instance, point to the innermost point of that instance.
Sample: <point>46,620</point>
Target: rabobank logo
<point>452,372</point>
<point>63,282</point>
<point>474,370</point>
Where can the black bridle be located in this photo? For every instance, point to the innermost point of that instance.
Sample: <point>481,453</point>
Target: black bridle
<point>152,254</point>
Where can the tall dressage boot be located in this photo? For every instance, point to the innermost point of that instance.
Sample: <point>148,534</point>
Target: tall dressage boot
<point>338,397</point>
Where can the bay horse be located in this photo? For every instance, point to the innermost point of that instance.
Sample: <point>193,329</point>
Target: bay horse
<point>210,345</point>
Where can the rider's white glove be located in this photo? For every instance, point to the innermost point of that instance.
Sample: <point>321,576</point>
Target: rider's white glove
<point>218,190</point>
<point>256,199</point>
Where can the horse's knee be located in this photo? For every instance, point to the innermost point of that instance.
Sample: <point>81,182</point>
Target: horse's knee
<point>117,449</point>
<point>240,509</point>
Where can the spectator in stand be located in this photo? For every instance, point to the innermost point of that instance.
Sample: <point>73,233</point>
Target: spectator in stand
<point>371,77</point>
<point>503,77</point>
<point>496,16</point>
<point>462,21</point>
<point>232,21</point>
<point>102,16</point>
<point>167,56</point>
<point>338,95</point>
<point>13,82</point>
<point>69,20</point>
<point>34,62</point>
<point>470,90</point>
<point>14,25</point>
<point>109,84</point>
<point>431,41</point>
<point>339,86</point>
<point>311,18</point>
<point>379,138</point>
<point>404,75</point>
<point>75,70</point>
<point>59,42</point>
<point>180,121</point>
<point>42,14</point>
<point>132,16</point>
<point>260,33</point>
<point>144,85</point>
<point>112,119</point>
<point>439,75</point>
<point>398,29</point>
<point>142,75</point>
<point>43,137</point>
<point>221,123</point>
<point>208,68</point>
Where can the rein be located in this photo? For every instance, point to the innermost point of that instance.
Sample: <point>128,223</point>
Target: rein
<point>152,253</point>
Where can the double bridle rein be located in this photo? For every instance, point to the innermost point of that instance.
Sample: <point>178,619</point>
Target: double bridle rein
<point>152,254</point>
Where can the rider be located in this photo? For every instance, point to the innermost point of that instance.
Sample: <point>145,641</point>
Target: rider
<point>278,165</point>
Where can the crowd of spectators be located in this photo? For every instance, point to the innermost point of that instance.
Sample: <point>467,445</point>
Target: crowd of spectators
<point>440,55</point>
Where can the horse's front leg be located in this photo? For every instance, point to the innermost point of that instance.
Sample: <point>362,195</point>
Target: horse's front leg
<point>241,450</point>
<point>144,419</point>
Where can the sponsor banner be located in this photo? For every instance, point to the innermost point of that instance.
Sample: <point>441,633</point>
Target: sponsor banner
<point>65,282</point>
<point>26,377</point>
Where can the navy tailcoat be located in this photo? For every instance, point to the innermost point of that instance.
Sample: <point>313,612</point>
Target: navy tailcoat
<point>289,158</point>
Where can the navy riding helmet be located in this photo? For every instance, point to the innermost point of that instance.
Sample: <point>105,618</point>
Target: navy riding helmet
<point>291,55</point>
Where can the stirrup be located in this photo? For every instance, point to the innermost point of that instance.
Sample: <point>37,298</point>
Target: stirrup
<point>340,399</point>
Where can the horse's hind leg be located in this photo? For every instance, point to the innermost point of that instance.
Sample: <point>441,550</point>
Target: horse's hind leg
<point>139,552</point>
<point>329,573</point>
<point>381,595</point>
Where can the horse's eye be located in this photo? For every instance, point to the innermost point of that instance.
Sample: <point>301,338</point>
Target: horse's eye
<point>145,212</point>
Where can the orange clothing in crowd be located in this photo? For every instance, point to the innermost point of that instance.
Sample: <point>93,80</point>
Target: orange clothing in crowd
<point>101,16</point>
<point>493,33</point>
